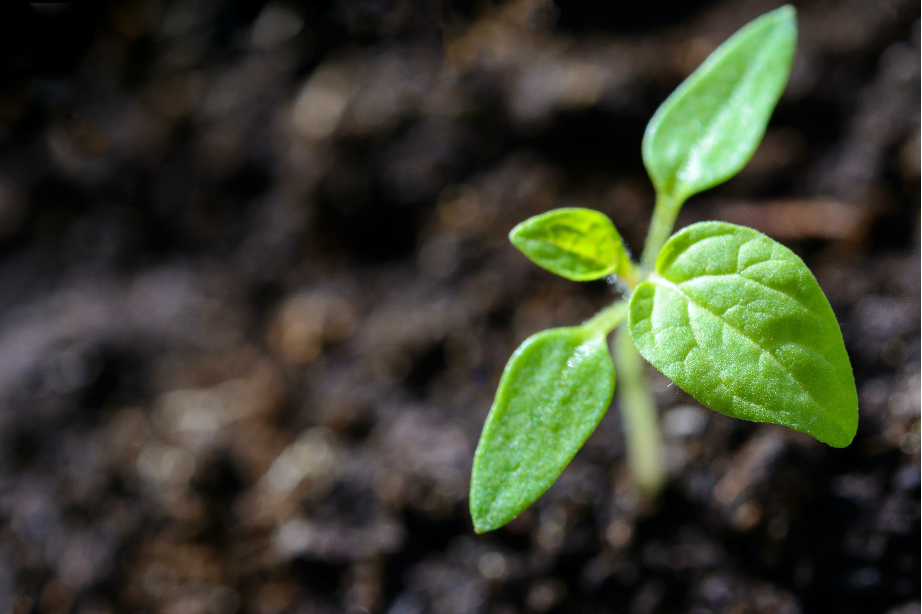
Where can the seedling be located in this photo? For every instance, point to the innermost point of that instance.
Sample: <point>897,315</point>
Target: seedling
<point>734,318</point>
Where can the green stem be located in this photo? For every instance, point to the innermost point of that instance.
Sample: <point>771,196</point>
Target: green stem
<point>607,320</point>
<point>638,415</point>
<point>664,215</point>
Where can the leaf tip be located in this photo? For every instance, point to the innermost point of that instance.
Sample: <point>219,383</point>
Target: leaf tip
<point>514,234</point>
<point>786,12</point>
<point>785,15</point>
<point>483,520</point>
<point>844,436</point>
<point>784,20</point>
<point>480,527</point>
<point>482,501</point>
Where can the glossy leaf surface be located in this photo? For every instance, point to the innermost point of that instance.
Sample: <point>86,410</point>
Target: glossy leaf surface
<point>579,244</point>
<point>556,387</point>
<point>708,129</point>
<point>738,321</point>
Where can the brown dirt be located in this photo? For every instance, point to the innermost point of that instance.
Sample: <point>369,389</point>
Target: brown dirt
<point>256,295</point>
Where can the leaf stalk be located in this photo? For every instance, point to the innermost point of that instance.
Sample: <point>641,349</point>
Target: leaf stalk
<point>639,417</point>
<point>602,323</point>
<point>664,215</point>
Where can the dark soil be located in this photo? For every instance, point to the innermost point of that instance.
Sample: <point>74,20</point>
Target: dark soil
<point>256,295</point>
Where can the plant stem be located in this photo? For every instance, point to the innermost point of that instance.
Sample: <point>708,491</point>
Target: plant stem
<point>664,215</point>
<point>638,415</point>
<point>607,320</point>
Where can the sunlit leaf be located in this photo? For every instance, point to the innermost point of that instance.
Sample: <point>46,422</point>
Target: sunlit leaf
<point>579,244</point>
<point>738,321</point>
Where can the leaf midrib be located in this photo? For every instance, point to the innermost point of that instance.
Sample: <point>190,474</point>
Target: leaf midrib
<point>595,261</point>
<point>805,307</point>
<point>665,283</point>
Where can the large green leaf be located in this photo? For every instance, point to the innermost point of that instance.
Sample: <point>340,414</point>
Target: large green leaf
<point>708,129</point>
<point>555,389</point>
<point>738,321</point>
<point>579,244</point>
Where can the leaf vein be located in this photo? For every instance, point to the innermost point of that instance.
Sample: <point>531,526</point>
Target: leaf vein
<point>688,301</point>
<point>757,282</point>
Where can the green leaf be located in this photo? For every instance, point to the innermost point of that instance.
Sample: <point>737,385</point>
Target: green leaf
<point>555,389</point>
<point>708,129</point>
<point>579,244</point>
<point>738,321</point>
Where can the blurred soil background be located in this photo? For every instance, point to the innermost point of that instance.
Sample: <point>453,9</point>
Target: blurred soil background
<point>256,295</point>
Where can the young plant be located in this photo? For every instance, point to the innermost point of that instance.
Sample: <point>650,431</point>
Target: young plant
<point>734,318</point>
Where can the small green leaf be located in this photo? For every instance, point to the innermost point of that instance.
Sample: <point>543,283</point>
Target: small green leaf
<point>579,244</point>
<point>738,321</point>
<point>555,389</point>
<point>708,129</point>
